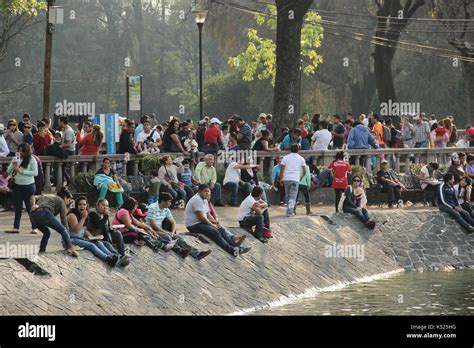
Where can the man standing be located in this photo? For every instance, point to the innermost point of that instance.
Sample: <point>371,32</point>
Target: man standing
<point>198,219</point>
<point>292,170</point>
<point>421,133</point>
<point>337,133</point>
<point>205,173</point>
<point>244,138</point>
<point>69,138</point>
<point>448,203</point>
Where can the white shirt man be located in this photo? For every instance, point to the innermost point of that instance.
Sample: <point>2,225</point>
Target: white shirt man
<point>293,169</point>
<point>321,139</point>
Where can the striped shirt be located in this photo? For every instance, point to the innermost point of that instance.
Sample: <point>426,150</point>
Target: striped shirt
<point>156,214</point>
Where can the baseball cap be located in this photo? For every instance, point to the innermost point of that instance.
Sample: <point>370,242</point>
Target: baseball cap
<point>2,127</point>
<point>202,122</point>
<point>384,161</point>
<point>138,212</point>
<point>215,120</point>
<point>262,115</point>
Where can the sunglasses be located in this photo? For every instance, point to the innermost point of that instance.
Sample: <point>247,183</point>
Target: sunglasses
<point>27,127</point>
<point>357,180</point>
<point>11,124</point>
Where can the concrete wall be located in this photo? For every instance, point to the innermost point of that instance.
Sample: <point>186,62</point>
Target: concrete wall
<point>294,263</point>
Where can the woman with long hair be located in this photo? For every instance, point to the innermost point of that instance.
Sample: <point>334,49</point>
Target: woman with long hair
<point>355,202</point>
<point>171,141</point>
<point>77,220</point>
<point>90,143</point>
<point>23,168</point>
<point>107,180</point>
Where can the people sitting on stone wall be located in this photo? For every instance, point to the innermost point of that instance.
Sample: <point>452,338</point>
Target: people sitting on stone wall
<point>98,225</point>
<point>106,180</point>
<point>77,221</point>
<point>159,218</point>
<point>448,203</point>
<point>355,202</point>
<point>390,185</point>
<point>205,174</point>
<point>250,176</point>
<point>198,219</point>
<point>253,211</point>
<point>134,231</point>
<point>463,193</point>
<point>168,176</point>
<point>427,178</point>
<point>233,183</point>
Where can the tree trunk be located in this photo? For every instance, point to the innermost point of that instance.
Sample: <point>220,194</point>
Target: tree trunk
<point>468,69</point>
<point>362,94</point>
<point>288,55</point>
<point>392,20</point>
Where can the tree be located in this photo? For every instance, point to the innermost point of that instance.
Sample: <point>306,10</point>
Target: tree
<point>458,37</point>
<point>392,20</point>
<point>262,55</point>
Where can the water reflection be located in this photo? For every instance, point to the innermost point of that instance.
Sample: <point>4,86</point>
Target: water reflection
<point>410,293</point>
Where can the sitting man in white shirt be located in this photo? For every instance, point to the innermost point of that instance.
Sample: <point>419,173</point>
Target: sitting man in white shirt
<point>254,212</point>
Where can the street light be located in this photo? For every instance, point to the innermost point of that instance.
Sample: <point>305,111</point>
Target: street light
<point>200,17</point>
<point>55,16</point>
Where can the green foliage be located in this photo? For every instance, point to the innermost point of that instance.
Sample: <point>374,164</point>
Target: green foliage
<point>79,182</point>
<point>150,163</point>
<point>12,8</point>
<point>259,58</point>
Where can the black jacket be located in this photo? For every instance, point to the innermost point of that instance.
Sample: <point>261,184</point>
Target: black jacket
<point>447,196</point>
<point>126,143</point>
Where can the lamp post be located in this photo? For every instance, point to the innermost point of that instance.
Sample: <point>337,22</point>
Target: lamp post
<point>55,15</point>
<point>200,17</point>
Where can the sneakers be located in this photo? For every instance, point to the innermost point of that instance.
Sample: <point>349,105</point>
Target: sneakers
<point>203,254</point>
<point>400,204</point>
<point>243,250</point>
<point>13,230</point>
<point>470,229</point>
<point>370,224</point>
<point>267,233</point>
<point>124,261</point>
<point>263,239</point>
<point>184,252</point>
<point>112,260</point>
<point>239,240</point>
<point>72,252</point>
<point>170,245</point>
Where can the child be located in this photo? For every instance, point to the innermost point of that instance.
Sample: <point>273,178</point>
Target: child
<point>153,187</point>
<point>232,143</point>
<point>186,175</point>
<point>191,146</point>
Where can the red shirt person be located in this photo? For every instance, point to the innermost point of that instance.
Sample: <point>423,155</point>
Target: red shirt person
<point>90,143</point>
<point>41,139</point>
<point>340,168</point>
<point>213,137</point>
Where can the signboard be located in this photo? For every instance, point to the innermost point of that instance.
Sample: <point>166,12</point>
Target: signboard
<point>134,93</point>
<point>109,123</point>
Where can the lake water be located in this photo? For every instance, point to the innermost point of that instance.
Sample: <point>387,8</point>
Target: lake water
<point>408,293</point>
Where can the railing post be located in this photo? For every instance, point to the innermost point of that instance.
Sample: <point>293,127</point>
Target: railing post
<point>73,169</point>
<point>135,167</point>
<point>397,163</point>
<point>84,167</point>
<point>47,175</point>
<point>59,176</point>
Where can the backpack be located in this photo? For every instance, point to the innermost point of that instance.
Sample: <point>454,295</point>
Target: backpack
<point>387,135</point>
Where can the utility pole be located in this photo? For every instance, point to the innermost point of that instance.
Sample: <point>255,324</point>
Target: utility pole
<point>47,62</point>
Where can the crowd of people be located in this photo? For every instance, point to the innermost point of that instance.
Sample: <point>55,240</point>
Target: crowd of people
<point>183,181</point>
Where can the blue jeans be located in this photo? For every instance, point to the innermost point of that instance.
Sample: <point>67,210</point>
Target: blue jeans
<point>103,189</point>
<point>462,217</point>
<point>234,189</point>
<point>216,193</point>
<point>291,192</point>
<point>421,144</point>
<point>221,236</point>
<point>152,199</point>
<point>44,219</point>
<point>362,214</point>
<point>176,192</point>
<point>20,194</point>
<point>321,178</point>
<point>97,248</point>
